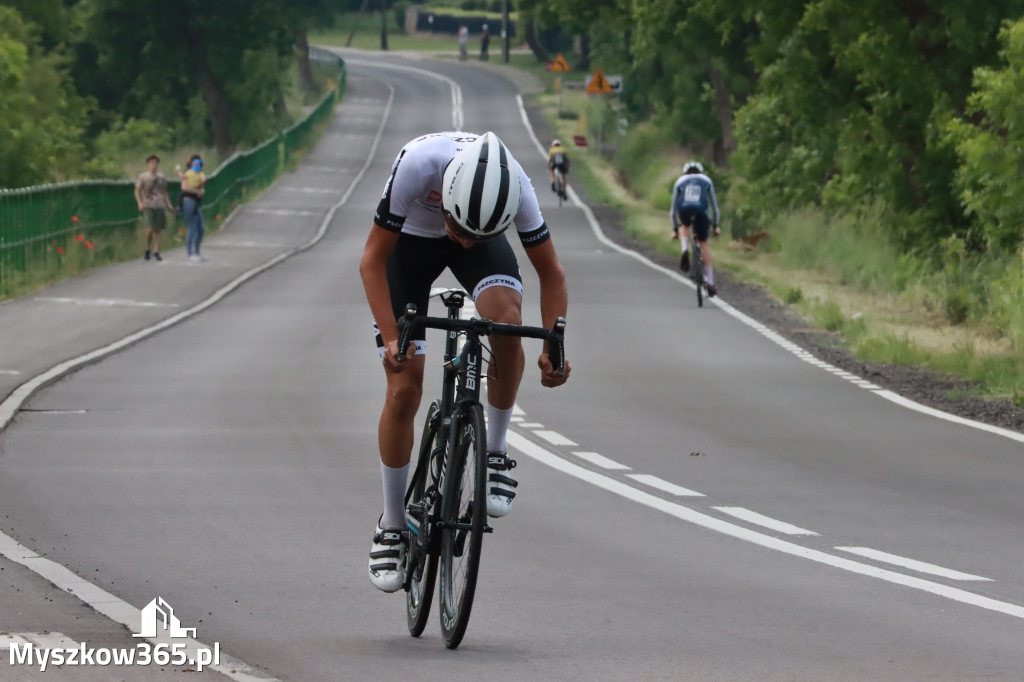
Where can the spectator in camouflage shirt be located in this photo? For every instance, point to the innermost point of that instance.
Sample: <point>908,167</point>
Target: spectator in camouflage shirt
<point>151,196</point>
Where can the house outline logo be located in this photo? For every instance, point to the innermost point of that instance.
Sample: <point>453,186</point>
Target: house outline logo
<point>158,618</point>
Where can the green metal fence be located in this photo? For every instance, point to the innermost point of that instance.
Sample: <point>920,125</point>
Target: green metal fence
<point>54,231</point>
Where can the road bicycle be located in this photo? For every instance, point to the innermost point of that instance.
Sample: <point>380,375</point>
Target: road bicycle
<point>446,503</point>
<point>697,270</point>
<point>559,185</point>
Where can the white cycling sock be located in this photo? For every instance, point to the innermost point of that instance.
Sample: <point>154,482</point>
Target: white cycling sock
<point>685,241</point>
<point>709,275</point>
<point>394,495</point>
<point>497,428</point>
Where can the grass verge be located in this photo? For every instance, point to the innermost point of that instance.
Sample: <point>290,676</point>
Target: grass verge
<point>844,277</point>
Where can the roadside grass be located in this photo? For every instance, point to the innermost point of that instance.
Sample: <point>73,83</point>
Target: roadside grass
<point>963,316</point>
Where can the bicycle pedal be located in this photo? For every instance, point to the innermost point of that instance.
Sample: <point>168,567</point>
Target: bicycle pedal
<point>488,529</point>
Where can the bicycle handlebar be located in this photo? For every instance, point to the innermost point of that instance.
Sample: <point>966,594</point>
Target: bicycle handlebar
<point>554,336</point>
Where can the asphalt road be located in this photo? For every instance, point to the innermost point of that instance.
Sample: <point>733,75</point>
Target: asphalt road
<point>229,464</point>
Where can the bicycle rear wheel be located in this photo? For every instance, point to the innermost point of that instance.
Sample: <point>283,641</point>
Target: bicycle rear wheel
<point>420,560</point>
<point>698,273</point>
<point>464,514</point>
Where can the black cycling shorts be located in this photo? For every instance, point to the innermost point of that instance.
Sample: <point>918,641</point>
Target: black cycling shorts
<point>417,261</point>
<point>693,216</point>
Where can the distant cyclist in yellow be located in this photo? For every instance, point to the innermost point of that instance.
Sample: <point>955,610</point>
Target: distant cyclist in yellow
<point>558,157</point>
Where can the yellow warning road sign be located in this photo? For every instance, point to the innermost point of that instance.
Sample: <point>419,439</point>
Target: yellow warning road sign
<point>560,64</point>
<point>599,85</point>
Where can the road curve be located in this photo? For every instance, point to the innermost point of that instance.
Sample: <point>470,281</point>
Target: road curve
<point>229,464</point>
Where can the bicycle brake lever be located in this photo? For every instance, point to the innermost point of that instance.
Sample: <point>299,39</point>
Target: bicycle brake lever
<point>406,324</point>
<point>556,348</point>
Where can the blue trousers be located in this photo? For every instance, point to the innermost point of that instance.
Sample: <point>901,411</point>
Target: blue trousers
<point>196,227</point>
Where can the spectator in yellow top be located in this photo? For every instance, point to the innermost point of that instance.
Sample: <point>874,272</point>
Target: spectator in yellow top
<point>193,186</point>
<point>151,197</point>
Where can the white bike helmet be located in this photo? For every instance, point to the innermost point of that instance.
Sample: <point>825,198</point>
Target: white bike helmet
<point>556,142</point>
<point>482,188</point>
<point>693,166</point>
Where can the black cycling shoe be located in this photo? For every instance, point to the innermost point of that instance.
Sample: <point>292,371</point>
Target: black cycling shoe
<point>712,290</point>
<point>684,261</point>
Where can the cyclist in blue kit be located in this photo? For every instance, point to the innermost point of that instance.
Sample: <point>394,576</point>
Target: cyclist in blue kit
<point>693,197</point>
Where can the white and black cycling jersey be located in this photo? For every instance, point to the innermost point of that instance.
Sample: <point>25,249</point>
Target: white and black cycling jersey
<point>412,196</point>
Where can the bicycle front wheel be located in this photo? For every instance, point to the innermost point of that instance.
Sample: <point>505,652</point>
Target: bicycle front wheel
<point>464,516</point>
<point>421,562</point>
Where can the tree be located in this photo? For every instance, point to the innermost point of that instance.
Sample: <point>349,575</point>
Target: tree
<point>852,111</point>
<point>41,117</point>
<point>990,140</point>
<point>162,52</point>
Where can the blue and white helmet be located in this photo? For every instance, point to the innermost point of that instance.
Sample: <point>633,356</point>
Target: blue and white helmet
<point>693,166</point>
<point>482,188</point>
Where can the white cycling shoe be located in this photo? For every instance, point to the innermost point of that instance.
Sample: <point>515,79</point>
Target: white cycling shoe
<point>501,488</point>
<point>387,558</point>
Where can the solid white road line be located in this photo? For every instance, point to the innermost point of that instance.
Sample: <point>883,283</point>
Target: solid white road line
<point>663,485</point>
<point>779,340</point>
<point>919,566</point>
<point>458,119</point>
<point>555,438</point>
<point>766,521</point>
<point>683,513</point>
<point>601,461</point>
<point>106,302</point>
<point>109,605</point>
<point>99,599</point>
<point>10,406</point>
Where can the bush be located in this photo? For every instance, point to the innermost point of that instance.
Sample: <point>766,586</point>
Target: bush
<point>399,9</point>
<point>794,295</point>
<point>957,304</point>
<point>828,315</point>
<point>133,135</point>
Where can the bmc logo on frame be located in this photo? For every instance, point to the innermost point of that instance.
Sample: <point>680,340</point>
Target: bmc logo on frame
<point>158,624</point>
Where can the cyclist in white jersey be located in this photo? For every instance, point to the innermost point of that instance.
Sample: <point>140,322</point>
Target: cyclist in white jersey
<point>449,198</point>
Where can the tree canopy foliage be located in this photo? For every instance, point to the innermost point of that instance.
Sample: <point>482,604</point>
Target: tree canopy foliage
<point>77,74</point>
<point>902,107</point>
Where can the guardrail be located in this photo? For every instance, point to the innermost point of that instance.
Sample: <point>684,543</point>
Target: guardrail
<point>49,232</point>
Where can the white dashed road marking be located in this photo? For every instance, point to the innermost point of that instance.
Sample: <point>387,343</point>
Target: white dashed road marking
<point>285,212</point>
<point>555,438</point>
<point>310,190</point>
<point>766,521</point>
<point>663,485</point>
<point>39,640</point>
<point>532,425</point>
<point>106,302</point>
<point>601,461</point>
<point>530,449</point>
